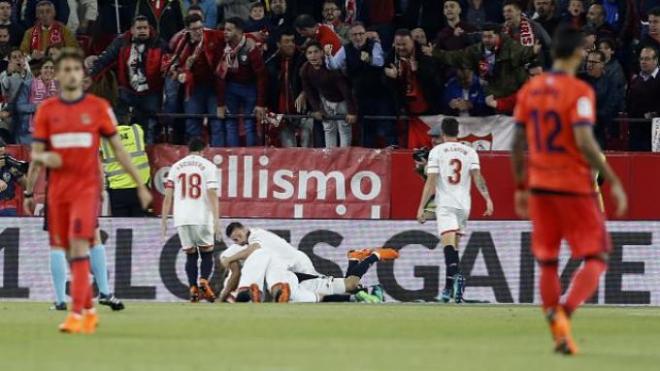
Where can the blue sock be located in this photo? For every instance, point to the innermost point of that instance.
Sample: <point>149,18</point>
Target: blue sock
<point>99,268</point>
<point>58,274</point>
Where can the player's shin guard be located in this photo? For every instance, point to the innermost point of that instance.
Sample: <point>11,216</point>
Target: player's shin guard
<point>80,285</point>
<point>585,283</point>
<point>58,274</point>
<point>206,266</point>
<point>550,286</point>
<point>451,264</point>
<point>191,267</point>
<point>99,268</point>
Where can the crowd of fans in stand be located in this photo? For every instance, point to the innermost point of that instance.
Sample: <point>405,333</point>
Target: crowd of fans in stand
<point>324,64</point>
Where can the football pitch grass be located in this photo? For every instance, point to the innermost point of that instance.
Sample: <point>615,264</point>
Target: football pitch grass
<point>182,336</point>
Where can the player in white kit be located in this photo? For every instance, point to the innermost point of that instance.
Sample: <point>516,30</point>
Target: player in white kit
<point>452,166</point>
<point>193,184</point>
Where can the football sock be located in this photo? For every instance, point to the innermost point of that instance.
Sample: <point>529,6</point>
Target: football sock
<point>362,267</point>
<point>451,264</point>
<point>550,285</point>
<point>206,266</point>
<point>99,268</point>
<point>351,265</point>
<point>336,298</point>
<point>58,274</point>
<point>80,285</point>
<point>585,283</point>
<point>191,268</point>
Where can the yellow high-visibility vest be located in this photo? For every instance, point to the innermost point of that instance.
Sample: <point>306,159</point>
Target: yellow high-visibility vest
<point>132,138</point>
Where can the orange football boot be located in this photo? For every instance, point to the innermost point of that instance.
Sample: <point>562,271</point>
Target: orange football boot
<point>386,253</point>
<point>281,292</point>
<point>560,326</point>
<point>90,321</point>
<point>194,294</point>
<point>73,324</point>
<point>255,293</point>
<point>207,292</point>
<point>359,254</point>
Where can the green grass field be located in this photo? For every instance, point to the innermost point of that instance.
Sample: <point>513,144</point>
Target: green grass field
<point>326,337</point>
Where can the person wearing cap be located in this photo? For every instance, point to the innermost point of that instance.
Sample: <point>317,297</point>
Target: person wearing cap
<point>10,175</point>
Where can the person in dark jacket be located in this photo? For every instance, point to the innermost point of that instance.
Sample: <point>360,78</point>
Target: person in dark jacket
<point>642,101</point>
<point>165,15</point>
<point>138,56</point>
<point>363,59</point>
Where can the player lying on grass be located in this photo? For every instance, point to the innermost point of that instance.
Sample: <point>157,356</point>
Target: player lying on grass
<point>263,268</point>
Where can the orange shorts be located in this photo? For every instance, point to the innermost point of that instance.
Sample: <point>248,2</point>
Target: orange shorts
<point>72,220</point>
<point>574,218</point>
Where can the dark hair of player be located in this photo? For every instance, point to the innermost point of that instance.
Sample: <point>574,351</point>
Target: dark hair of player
<point>192,18</point>
<point>566,41</point>
<point>450,127</point>
<point>70,54</point>
<point>237,22</point>
<point>232,227</point>
<point>304,21</point>
<point>196,145</point>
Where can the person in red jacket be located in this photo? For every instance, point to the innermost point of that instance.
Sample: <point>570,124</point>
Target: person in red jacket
<point>137,56</point>
<point>307,27</point>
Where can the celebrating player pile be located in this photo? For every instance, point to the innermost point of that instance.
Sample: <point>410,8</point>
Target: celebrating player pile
<point>66,141</point>
<point>555,114</point>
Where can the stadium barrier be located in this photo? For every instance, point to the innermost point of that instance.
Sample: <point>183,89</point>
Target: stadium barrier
<point>495,258</point>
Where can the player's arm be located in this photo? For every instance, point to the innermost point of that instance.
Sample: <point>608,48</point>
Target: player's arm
<point>429,190</point>
<point>480,183</point>
<point>214,203</point>
<point>518,164</point>
<point>30,180</point>
<point>232,283</point>
<point>125,162</point>
<point>165,210</point>
<point>587,144</point>
<point>242,255</point>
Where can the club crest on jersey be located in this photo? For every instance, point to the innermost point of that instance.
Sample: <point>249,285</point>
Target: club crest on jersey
<point>86,119</point>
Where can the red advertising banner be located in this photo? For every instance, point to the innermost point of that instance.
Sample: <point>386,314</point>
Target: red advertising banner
<point>351,183</point>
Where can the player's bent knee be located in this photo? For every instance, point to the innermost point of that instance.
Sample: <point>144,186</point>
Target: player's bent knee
<point>352,283</point>
<point>206,248</point>
<point>190,250</point>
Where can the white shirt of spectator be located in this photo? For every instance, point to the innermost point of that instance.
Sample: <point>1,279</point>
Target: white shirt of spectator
<point>191,178</point>
<point>452,161</point>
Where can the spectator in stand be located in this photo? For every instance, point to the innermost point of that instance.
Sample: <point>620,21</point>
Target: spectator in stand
<point>45,33</point>
<point>193,61</point>
<point>28,14</point>
<point>307,27</point>
<point>464,95</point>
<point>596,19</point>
<point>480,12</point>
<point>7,20</point>
<point>279,21</point>
<point>545,13</point>
<point>419,36</point>
<point>235,8</point>
<point>505,105</point>
<point>379,15</point>
<point>652,39</point>
<point>30,95</point>
<point>607,96</point>
<point>498,59</point>
<point>138,56</point>
<point>575,15</point>
<point>523,30</point>
<point>208,7</point>
<point>456,35</point>
<point>413,77</point>
<point>329,95</point>
<point>257,21</point>
<point>285,89</point>
<point>363,60</point>
<point>11,80</point>
<point>243,83</point>
<point>10,175</point>
<point>643,101</point>
<point>614,72</point>
<point>82,14</point>
<point>5,47</point>
<point>164,15</point>
<point>330,18</point>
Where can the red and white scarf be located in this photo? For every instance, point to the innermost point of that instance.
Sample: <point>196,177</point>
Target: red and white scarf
<point>350,11</point>
<point>184,57</point>
<point>229,60</point>
<point>55,36</point>
<point>525,35</point>
<point>39,91</point>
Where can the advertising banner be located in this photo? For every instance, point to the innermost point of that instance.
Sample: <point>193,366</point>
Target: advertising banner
<point>495,259</point>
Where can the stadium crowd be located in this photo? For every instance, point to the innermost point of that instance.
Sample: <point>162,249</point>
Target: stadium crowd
<point>307,72</point>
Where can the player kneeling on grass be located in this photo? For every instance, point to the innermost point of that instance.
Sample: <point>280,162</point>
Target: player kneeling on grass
<point>193,183</point>
<point>263,268</point>
<point>451,167</point>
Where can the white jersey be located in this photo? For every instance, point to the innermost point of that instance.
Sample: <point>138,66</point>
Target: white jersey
<point>453,161</point>
<point>191,178</point>
<point>296,260</point>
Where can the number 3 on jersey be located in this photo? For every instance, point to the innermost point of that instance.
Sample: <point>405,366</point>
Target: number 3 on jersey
<point>457,166</point>
<point>191,185</point>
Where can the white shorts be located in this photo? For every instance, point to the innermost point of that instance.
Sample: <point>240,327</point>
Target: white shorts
<point>302,264</point>
<point>451,220</point>
<point>195,236</point>
<point>325,285</point>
